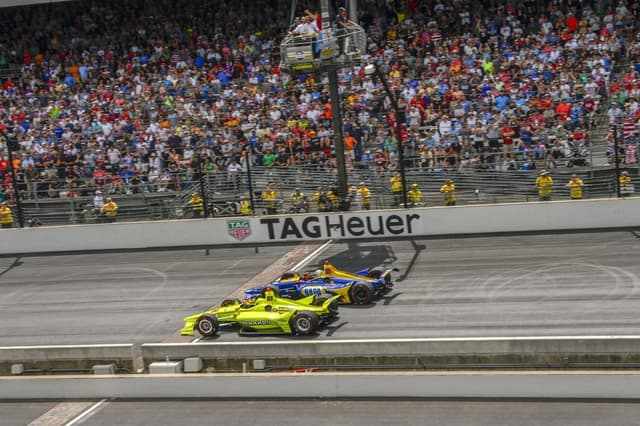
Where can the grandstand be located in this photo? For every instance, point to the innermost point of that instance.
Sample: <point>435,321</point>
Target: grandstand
<point>160,97</point>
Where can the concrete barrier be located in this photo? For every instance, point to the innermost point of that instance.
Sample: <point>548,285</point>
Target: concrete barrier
<point>405,353</point>
<point>323,385</point>
<point>67,358</point>
<point>419,222</point>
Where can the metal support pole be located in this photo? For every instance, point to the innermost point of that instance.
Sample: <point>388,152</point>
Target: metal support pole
<point>16,190</point>
<point>394,104</point>
<point>247,159</point>
<point>616,157</point>
<point>336,121</point>
<point>353,10</point>
<point>203,191</point>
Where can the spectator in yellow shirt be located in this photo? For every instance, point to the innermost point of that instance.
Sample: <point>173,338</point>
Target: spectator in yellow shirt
<point>626,187</point>
<point>575,186</point>
<point>269,198</point>
<point>196,205</point>
<point>544,183</point>
<point>110,210</point>
<point>6,215</point>
<point>365,194</point>
<point>396,188</point>
<point>449,191</point>
<point>414,196</point>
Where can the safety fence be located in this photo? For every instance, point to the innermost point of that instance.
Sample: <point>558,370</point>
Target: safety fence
<point>223,191</point>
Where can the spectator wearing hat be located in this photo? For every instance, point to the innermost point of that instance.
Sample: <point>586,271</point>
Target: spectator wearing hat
<point>365,195</point>
<point>109,211</point>
<point>626,187</point>
<point>544,183</point>
<point>297,198</point>
<point>343,24</point>
<point>414,196</point>
<point>449,192</point>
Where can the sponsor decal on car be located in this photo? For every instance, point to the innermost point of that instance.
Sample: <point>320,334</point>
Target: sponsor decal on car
<point>252,323</point>
<point>239,229</point>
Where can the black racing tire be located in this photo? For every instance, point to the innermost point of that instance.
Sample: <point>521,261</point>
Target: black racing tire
<point>304,323</point>
<point>207,325</point>
<point>228,302</point>
<point>361,293</point>
<point>276,292</point>
<point>375,273</point>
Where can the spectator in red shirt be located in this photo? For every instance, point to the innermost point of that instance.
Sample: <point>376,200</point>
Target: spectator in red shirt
<point>507,134</point>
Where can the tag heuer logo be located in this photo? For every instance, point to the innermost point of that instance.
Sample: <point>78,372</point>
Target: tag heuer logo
<point>239,229</point>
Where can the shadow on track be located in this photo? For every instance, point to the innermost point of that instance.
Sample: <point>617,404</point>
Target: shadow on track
<point>358,256</point>
<point>17,262</point>
<point>417,249</point>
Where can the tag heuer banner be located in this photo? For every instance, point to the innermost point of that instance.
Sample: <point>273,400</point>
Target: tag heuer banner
<point>239,229</point>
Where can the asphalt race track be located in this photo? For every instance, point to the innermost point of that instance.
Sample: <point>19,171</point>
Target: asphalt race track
<point>116,298</point>
<point>534,285</point>
<point>371,413</point>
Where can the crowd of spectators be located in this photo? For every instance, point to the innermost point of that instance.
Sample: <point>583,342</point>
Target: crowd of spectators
<point>147,95</point>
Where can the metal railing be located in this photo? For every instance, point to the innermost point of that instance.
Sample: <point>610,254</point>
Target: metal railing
<point>66,205</point>
<point>329,47</point>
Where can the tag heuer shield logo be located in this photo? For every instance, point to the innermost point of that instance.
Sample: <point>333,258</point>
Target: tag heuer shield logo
<point>239,229</point>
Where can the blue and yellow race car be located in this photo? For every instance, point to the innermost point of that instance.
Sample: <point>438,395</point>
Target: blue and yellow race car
<point>357,288</point>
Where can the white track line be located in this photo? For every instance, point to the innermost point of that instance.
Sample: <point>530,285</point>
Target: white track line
<point>297,266</point>
<point>310,257</point>
<point>86,413</point>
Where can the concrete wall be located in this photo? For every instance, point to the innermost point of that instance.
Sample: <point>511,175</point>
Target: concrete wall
<point>405,353</point>
<point>67,357</point>
<point>316,385</point>
<point>435,221</point>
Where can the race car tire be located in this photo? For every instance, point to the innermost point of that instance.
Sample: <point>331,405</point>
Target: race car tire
<point>275,291</point>
<point>305,323</point>
<point>228,302</point>
<point>375,273</point>
<point>361,293</point>
<point>207,325</point>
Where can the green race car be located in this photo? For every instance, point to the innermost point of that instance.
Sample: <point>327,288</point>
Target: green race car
<point>268,315</point>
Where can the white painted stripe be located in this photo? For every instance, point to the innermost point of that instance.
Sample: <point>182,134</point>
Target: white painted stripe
<point>197,339</point>
<point>59,414</point>
<point>310,257</point>
<point>420,339</point>
<point>86,413</point>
